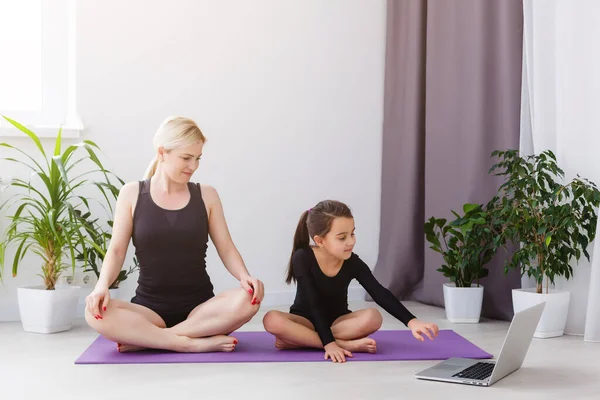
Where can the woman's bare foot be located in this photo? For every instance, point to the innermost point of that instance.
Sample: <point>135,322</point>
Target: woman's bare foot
<point>364,345</point>
<point>193,345</point>
<point>124,348</point>
<point>283,345</point>
<point>210,344</point>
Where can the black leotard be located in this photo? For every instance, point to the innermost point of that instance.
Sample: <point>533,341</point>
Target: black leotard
<point>322,299</point>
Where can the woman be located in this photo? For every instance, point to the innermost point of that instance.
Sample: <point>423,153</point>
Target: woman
<point>169,220</point>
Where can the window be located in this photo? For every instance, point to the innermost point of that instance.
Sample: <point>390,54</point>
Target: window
<point>37,66</point>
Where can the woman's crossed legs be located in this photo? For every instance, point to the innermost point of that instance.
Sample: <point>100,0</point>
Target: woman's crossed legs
<point>206,328</point>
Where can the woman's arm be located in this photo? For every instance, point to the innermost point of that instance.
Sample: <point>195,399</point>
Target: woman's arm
<point>97,301</point>
<point>121,235</point>
<point>229,254</point>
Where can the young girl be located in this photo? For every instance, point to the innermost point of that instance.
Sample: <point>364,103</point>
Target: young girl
<point>319,317</point>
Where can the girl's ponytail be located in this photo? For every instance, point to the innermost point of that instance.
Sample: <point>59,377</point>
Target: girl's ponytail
<point>301,240</point>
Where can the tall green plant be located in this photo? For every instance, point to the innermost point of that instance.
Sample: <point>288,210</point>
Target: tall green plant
<point>553,221</point>
<point>97,242</point>
<point>467,243</point>
<point>98,238</point>
<point>45,221</point>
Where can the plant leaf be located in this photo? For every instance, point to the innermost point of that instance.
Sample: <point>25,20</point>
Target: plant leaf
<point>29,133</point>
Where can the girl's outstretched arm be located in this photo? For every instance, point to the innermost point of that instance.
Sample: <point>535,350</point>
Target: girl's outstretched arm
<point>384,298</point>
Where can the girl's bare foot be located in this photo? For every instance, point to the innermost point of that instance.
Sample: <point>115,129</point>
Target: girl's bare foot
<point>364,345</point>
<point>124,347</point>
<point>210,344</point>
<point>283,345</point>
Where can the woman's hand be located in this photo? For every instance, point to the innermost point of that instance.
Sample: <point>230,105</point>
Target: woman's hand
<point>97,301</point>
<point>419,327</point>
<point>336,353</point>
<point>254,287</point>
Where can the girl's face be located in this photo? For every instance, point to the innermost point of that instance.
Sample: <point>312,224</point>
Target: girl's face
<point>340,240</point>
<point>180,164</point>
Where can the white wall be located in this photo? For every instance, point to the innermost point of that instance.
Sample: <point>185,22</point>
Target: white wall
<point>289,94</point>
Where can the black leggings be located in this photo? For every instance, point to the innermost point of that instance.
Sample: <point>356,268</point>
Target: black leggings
<point>329,316</point>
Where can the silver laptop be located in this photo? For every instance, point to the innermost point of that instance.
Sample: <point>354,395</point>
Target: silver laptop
<point>486,373</point>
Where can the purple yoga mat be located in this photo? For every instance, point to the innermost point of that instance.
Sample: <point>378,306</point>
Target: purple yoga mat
<point>258,347</point>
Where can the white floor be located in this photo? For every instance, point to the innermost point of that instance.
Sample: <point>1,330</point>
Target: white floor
<point>41,366</point>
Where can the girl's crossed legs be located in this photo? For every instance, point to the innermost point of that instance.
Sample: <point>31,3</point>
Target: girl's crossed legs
<point>350,331</point>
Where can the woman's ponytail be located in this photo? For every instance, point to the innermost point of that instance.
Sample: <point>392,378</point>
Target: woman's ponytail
<point>152,168</point>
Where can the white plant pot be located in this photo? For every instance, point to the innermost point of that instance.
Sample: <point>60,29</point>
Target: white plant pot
<point>463,304</point>
<point>47,311</point>
<point>554,318</point>
<point>114,293</point>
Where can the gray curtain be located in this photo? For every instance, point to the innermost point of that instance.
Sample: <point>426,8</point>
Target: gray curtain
<point>452,96</point>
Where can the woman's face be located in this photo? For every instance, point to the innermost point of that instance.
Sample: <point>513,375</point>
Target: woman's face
<point>181,163</point>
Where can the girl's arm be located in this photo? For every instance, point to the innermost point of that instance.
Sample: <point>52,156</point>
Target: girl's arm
<point>306,285</point>
<point>390,303</point>
<point>379,293</point>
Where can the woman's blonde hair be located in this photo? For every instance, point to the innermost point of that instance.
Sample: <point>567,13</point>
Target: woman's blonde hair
<point>172,133</point>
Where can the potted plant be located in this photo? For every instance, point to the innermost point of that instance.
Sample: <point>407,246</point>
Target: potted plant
<point>553,220</point>
<point>467,244</point>
<point>44,222</point>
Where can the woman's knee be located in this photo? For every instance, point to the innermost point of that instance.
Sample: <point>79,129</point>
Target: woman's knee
<point>91,320</point>
<point>242,304</point>
<point>97,324</point>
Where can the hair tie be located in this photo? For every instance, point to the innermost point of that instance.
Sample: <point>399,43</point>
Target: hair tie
<point>310,209</point>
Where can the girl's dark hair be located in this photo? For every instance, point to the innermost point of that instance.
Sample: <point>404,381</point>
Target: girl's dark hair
<point>315,222</point>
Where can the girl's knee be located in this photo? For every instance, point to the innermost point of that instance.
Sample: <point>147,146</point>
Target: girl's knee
<point>273,322</point>
<point>373,319</point>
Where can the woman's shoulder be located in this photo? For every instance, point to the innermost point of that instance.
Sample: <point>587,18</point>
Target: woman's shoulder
<point>130,190</point>
<point>208,191</point>
<point>128,194</point>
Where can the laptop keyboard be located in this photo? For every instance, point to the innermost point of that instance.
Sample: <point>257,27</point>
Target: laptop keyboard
<point>478,371</point>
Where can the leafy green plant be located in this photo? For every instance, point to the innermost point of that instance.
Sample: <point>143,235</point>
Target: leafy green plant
<point>94,253</point>
<point>98,238</point>
<point>554,222</point>
<point>45,221</point>
<point>467,243</point>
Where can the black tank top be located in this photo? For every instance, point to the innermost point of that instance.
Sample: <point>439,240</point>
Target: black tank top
<point>170,246</point>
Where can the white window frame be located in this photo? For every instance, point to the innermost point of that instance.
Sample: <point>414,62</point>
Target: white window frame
<point>58,77</point>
